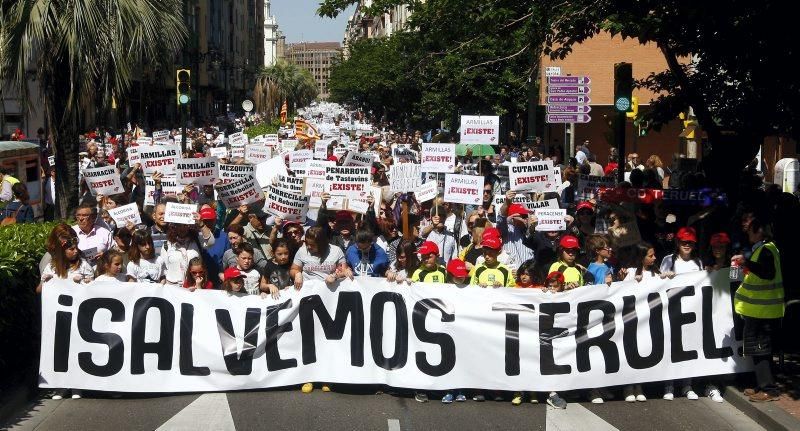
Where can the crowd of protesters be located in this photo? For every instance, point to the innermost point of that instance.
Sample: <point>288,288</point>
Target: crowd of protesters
<point>247,251</point>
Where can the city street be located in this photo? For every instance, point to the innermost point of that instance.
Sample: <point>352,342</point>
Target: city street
<point>285,409</point>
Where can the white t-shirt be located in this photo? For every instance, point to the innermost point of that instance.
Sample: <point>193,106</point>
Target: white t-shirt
<point>147,270</point>
<point>84,270</point>
<point>176,259</point>
<point>120,277</point>
<point>251,281</point>
<point>315,268</point>
<point>646,275</point>
<point>681,266</point>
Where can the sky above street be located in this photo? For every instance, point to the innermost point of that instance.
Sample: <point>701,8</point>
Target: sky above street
<point>298,20</point>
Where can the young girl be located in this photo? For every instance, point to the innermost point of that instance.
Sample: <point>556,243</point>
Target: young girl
<point>645,259</point>
<point>526,276</point>
<point>597,247</point>
<point>245,264</point>
<point>67,263</point>
<point>143,265</point>
<point>197,276</point>
<point>405,263</point>
<point>109,267</point>
<point>179,249</point>
<point>276,275</point>
<point>234,282</point>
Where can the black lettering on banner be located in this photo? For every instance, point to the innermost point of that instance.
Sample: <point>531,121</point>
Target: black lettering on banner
<point>547,334</point>
<point>445,342</point>
<point>349,304</point>
<point>710,350</point>
<point>163,347</point>
<point>629,339</point>
<point>676,320</point>
<point>185,355</point>
<point>512,344</point>
<point>238,364</point>
<point>116,347</point>
<point>61,337</point>
<point>274,331</point>
<point>378,306</point>
<point>585,343</point>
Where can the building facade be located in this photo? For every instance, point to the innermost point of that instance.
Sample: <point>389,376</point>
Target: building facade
<point>316,57</point>
<point>361,25</point>
<point>271,36</point>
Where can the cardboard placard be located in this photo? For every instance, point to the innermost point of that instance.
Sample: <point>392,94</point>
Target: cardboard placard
<point>243,191</point>
<point>321,149</point>
<point>358,159</point>
<point>144,141</point>
<point>317,168</point>
<point>480,129</point>
<point>159,158</point>
<point>357,206</point>
<point>232,172</point>
<point>124,214</point>
<point>349,181</point>
<point>298,159</point>
<point>405,177</point>
<point>169,187</point>
<point>289,145</point>
<point>180,213</point>
<point>286,205</point>
<point>438,158</point>
<point>256,154</point>
<point>427,191</point>
<point>463,189</point>
<point>531,176</point>
<point>550,220</point>
<point>267,171</point>
<point>104,181</point>
<point>161,136</point>
<point>218,152</point>
<point>197,171</point>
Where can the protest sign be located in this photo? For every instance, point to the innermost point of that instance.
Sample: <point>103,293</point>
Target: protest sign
<point>51,160</point>
<point>237,151</point>
<point>144,141</point>
<point>531,176</point>
<point>232,172</point>
<point>358,159</point>
<point>480,129</point>
<point>104,181</point>
<point>427,191</point>
<point>161,136</point>
<point>404,177</point>
<point>526,201</point>
<point>289,145</point>
<point>237,140</point>
<point>321,149</point>
<point>124,214</point>
<point>438,158</point>
<point>550,220</point>
<point>256,154</point>
<point>291,184</point>
<point>463,189</point>
<point>349,181</point>
<point>267,171</point>
<point>288,206</point>
<point>133,155</point>
<point>242,191</point>
<point>317,168</point>
<point>180,213</point>
<point>196,171</point>
<point>589,184</point>
<point>177,139</point>
<point>404,154</point>
<point>159,158</point>
<point>169,188</point>
<point>298,159</point>
<point>357,206</point>
<point>339,152</point>
<point>431,337</point>
<point>218,152</point>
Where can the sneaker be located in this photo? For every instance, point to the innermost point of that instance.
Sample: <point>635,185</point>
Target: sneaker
<point>421,397</point>
<point>641,398</point>
<point>749,392</point>
<point>460,398</point>
<point>499,398</point>
<point>534,398</point>
<point>764,396</point>
<point>77,394</point>
<point>448,398</point>
<point>690,395</point>
<point>556,401</point>
<point>668,392</point>
<point>517,400</point>
<point>715,396</point>
<point>58,395</point>
<point>627,393</point>
<point>326,388</point>
<point>479,398</point>
<point>595,397</point>
<point>307,388</point>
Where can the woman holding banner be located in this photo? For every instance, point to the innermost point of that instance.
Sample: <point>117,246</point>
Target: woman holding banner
<point>180,248</point>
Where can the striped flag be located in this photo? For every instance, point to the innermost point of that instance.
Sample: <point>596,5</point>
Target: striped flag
<point>304,130</point>
<point>284,111</point>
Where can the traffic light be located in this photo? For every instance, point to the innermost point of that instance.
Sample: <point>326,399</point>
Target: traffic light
<point>623,87</point>
<point>634,108</point>
<point>643,126</point>
<point>183,85</point>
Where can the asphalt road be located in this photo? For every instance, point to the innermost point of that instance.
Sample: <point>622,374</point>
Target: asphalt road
<point>290,409</point>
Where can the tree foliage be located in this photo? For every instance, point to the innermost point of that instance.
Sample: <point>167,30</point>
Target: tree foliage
<point>283,82</point>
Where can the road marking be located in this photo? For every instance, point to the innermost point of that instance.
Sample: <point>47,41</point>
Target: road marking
<point>394,425</point>
<point>731,415</point>
<point>575,417</point>
<point>207,412</point>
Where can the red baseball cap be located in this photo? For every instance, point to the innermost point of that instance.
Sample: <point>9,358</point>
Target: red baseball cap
<point>332,159</point>
<point>208,214</point>
<point>457,268</point>
<point>492,242</point>
<point>490,232</point>
<point>517,209</point>
<point>609,168</point>
<point>428,247</point>
<point>569,241</point>
<point>720,238</point>
<point>556,275</point>
<point>687,234</point>
<point>585,205</point>
<point>232,272</point>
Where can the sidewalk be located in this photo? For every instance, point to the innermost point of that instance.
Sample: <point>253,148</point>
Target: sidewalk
<point>783,414</point>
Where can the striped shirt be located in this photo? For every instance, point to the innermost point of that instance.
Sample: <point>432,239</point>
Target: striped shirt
<point>514,242</point>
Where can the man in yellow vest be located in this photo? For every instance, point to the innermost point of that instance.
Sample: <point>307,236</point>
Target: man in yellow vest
<point>7,181</point>
<point>760,302</point>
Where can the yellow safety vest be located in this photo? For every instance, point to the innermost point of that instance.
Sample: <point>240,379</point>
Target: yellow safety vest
<point>11,180</point>
<point>760,298</point>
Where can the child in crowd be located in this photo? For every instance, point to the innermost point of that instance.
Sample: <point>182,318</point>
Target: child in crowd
<point>597,246</point>
<point>234,282</point>
<point>457,274</point>
<point>429,271</point>
<point>645,257</point>
<point>526,277</point>
<point>109,267</point>
<point>67,262</point>
<point>405,263</point>
<point>245,264</point>
<point>143,264</point>
<point>276,274</point>
<point>492,273</point>
<point>574,274</point>
<point>555,282</point>
<point>197,276</point>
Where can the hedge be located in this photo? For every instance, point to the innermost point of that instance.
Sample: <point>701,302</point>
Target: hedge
<point>21,248</point>
<point>263,128</point>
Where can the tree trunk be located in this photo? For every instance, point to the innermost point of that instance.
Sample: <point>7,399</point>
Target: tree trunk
<point>63,126</point>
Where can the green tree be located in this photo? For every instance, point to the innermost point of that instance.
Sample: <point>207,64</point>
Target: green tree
<point>283,82</point>
<point>83,52</point>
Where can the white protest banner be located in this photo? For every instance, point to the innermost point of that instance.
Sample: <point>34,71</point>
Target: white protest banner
<point>349,181</point>
<point>317,168</point>
<point>218,152</point>
<point>104,181</point>
<point>159,158</point>
<point>358,159</point>
<point>288,206</point>
<point>405,177</point>
<point>588,185</point>
<point>161,136</point>
<point>531,176</point>
<point>526,201</point>
<point>219,140</point>
<point>480,129</point>
<point>357,206</point>
<point>549,220</point>
<point>124,214</point>
<point>535,205</point>
<point>232,172</point>
<point>321,149</point>
<point>291,184</point>
<point>196,171</point>
<point>438,158</point>
<point>289,145</point>
<point>144,141</point>
<point>267,171</point>
<point>169,188</point>
<point>427,191</point>
<point>463,189</point>
<point>256,154</point>
<point>298,159</point>
<point>243,191</point>
<point>180,213</point>
<point>431,337</point>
